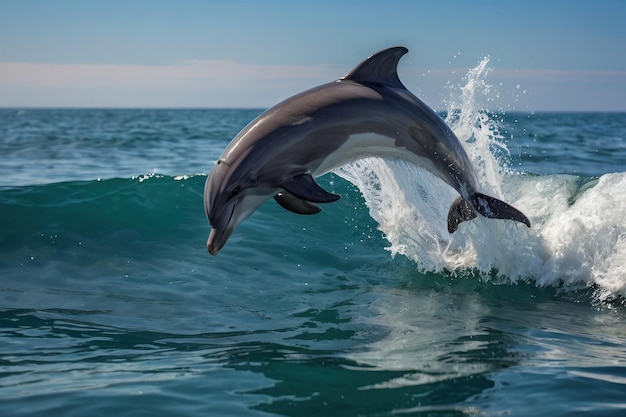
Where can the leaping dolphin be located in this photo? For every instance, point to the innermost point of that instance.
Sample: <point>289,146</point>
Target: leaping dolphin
<point>367,112</point>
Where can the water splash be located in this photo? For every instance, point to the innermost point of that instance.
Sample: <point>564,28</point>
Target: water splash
<point>473,124</point>
<point>577,239</point>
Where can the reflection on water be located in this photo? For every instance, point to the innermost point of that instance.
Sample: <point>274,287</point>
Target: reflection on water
<point>447,346</point>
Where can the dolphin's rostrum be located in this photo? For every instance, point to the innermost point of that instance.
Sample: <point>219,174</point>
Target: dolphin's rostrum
<point>368,112</point>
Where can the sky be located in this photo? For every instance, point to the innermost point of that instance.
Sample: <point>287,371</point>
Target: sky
<point>548,55</point>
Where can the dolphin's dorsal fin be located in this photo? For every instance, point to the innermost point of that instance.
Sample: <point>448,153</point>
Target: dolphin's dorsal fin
<point>380,68</point>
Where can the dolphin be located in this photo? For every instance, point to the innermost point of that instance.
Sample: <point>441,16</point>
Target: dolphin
<point>367,112</point>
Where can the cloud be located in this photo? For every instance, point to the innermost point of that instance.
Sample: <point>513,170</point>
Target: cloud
<point>556,75</point>
<point>186,73</point>
<point>193,83</point>
<point>566,90</point>
<point>216,83</point>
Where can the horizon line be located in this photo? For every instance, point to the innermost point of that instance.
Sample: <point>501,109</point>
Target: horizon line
<point>263,108</point>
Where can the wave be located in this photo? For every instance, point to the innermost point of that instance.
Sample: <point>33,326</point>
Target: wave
<point>578,237</point>
<point>83,222</point>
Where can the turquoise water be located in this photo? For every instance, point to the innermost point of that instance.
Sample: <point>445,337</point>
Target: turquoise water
<point>109,303</point>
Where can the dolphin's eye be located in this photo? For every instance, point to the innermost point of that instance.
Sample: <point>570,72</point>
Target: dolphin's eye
<point>235,191</point>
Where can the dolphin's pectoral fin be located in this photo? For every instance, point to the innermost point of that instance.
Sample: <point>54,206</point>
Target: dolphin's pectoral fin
<point>294,204</point>
<point>495,209</point>
<point>304,187</point>
<point>459,212</point>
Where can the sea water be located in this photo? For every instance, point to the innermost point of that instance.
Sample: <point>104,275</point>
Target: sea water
<point>110,304</point>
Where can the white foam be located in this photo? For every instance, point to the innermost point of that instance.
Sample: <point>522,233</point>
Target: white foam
<point>570,244</point>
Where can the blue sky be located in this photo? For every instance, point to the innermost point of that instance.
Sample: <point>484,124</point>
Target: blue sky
<point>543,55</point>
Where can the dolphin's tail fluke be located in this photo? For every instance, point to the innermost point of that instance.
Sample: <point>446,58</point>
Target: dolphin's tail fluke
<point>492,208</point>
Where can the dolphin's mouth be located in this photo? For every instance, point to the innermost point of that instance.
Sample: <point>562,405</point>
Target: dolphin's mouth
<point>220,233</point>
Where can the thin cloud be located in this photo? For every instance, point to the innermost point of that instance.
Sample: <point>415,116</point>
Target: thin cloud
<point>216,83</point>
<point>184,74</point>
<point>556,75</point>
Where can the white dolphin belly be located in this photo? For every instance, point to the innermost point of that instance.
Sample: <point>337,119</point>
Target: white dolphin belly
<point>363,145</point>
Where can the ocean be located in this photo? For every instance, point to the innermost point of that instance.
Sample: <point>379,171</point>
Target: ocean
<point>111,305</point>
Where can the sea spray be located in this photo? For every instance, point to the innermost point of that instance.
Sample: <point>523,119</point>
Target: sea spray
<point>473,125</point>
<point>587,240</point>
